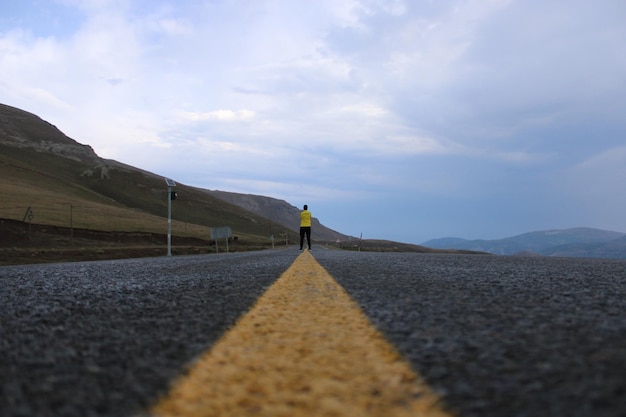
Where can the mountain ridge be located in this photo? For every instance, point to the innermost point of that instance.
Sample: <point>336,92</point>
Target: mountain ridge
<point>19,128</point>
<point>45,171</point>
<point>278,211</point>
<point>572,242</point>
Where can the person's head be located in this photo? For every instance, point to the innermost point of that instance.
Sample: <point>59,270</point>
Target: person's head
<point>306,207</point>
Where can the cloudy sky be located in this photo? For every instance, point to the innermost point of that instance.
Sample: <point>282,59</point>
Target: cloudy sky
<point>405,120</point>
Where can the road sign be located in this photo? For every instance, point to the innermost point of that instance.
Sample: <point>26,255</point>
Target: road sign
<point>221,232</point>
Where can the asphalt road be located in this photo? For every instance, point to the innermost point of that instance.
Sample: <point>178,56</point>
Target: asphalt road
<point>501,336</point>
<point>493,336</point>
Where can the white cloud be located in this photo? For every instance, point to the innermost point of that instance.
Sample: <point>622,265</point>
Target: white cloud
<point>297,193</point>
<point>220,115</point>
<point>365,109</point>
<point>46,98</point>
<point>596,188</point>
<point>608,165</point>
<point>292,98</point>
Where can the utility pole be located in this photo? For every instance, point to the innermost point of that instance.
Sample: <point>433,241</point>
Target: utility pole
<point>170,184</point>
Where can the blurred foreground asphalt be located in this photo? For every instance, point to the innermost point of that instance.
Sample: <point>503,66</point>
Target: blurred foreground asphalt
<point>493,336</point>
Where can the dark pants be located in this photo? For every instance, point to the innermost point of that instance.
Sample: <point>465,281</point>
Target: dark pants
<point>305,231</point>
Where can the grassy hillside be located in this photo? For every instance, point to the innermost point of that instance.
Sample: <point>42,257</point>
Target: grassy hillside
<point>60,201</point>
<point>65,184</point>
<point>59,192</point>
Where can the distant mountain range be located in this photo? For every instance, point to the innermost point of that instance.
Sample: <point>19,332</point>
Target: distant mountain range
<point>575,242</point>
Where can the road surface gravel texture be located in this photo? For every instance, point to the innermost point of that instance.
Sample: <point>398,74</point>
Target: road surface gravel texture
<point>106,338</point>
<point>493,336</point>
<point>501,336</point>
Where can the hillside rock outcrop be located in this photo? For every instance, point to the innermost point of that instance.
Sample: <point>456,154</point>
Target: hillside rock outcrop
<point>21,129</point>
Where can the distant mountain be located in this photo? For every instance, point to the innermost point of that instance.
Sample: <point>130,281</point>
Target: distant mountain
<point>613,249</point>
<point>279,212</point>
<point>575,242</point>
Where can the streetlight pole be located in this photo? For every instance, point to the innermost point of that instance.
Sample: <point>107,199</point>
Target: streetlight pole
<point>169,221</point>
<point>170,183</point>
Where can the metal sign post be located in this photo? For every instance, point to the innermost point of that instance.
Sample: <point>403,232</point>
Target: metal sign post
<point>170,183</point>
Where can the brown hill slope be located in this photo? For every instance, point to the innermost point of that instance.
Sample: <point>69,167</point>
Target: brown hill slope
<point>62,181</point>
<point>279,212</point>
<point>53,187</point>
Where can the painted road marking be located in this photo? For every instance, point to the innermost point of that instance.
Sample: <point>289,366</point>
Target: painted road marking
<point>304,349</point>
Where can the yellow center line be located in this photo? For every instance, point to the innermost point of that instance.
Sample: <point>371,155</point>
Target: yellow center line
<point>304,349</point>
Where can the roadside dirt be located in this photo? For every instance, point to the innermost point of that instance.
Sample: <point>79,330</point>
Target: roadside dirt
<point>21,243</point>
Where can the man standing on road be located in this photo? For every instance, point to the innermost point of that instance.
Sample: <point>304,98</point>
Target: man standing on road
<point>305,226</point>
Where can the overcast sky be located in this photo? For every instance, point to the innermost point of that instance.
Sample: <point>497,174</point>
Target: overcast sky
<point>403,120</point>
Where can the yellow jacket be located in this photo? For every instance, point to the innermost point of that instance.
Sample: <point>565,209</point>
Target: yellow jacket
<point>305,218</point>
